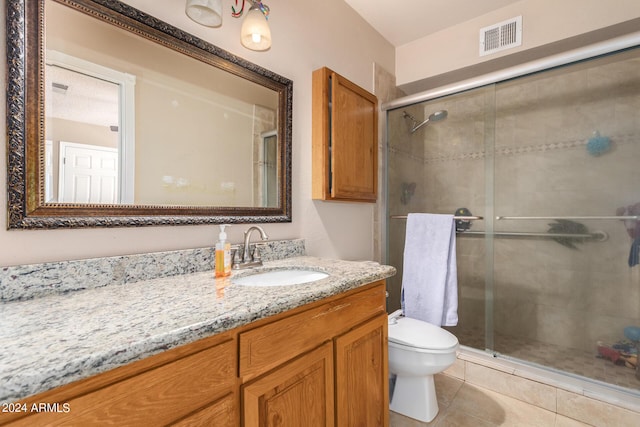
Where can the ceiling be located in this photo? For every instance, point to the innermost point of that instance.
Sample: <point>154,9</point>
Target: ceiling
<point>409,20</point>
<point>81,98</point>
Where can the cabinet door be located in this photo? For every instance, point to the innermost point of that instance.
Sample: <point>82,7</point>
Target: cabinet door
<point>344,139</point>
<point>299,393</point>
<point>354,148</point>
<point>362,384</point>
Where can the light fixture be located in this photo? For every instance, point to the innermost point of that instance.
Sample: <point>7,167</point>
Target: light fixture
<point>205,12</point>
<point>255,33</point>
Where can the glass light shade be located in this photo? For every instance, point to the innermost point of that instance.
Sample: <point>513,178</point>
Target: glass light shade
<point>205,12</point>
<point>255,33</point>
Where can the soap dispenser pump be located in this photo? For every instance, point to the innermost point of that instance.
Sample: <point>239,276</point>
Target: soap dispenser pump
<point>223,253</point>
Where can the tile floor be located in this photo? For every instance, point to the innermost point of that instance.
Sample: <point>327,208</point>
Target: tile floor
<point>579,362</point>
<point>463,404</point>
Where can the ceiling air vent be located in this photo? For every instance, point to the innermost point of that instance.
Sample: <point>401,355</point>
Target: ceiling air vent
<point>501,36</point>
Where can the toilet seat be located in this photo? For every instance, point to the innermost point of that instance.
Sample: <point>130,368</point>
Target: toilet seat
<point>420,336</point>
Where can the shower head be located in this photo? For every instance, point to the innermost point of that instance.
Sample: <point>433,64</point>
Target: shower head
<point>434,117</point>
<point>439,115</point>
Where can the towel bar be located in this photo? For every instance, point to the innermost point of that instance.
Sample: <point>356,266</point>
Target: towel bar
<point>500,218</point>
<point>635,217</point>
<point>598,236</point>
<point>464,218</point>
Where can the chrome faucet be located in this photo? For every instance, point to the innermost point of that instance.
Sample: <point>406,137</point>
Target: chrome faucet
<point>249,260</point>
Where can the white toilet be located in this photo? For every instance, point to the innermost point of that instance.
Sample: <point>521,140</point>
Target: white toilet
<point>417,351</point>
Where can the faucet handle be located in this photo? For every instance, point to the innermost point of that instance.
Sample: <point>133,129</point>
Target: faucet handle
<point>256,254</point>
<point>237,259</point>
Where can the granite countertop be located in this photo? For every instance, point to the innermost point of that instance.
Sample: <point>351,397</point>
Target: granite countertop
<point>57,339</point>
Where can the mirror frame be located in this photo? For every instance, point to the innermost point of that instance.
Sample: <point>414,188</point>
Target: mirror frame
<point>25,124</point>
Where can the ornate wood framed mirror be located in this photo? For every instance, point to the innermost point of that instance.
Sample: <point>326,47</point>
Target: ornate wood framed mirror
<point>115,118</point>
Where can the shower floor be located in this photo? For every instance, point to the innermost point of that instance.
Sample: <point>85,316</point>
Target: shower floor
<point>583,363</point>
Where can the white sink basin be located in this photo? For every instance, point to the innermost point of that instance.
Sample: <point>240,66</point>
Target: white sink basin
<point>280,278</point>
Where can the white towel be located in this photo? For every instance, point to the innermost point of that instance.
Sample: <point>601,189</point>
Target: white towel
<point>430,275</point>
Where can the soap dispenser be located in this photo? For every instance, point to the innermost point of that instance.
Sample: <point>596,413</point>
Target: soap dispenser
<point>223,253</point>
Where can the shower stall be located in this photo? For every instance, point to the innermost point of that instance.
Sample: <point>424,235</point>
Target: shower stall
<point>543,170</point>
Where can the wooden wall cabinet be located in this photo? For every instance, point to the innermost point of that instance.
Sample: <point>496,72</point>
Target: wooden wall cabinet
<point>344,139</point>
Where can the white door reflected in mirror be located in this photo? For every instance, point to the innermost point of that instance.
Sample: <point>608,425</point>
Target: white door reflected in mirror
<point>88,174</point>
<point>89,110</point>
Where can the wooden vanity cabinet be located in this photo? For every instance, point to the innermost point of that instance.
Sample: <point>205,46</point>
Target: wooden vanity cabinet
<point>185,386</point>
<point>344,139</point>
<point>324,366</point>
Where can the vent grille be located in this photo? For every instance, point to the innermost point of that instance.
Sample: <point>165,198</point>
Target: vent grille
<point>501,36</point>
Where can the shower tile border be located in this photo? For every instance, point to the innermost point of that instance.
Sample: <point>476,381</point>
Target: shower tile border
<point>568,391</point>
<point>507,151</point>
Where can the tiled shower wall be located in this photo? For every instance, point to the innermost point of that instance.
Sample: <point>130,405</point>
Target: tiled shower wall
<point>385,90</point>
<point>535,129</point>
<point>565,296</point>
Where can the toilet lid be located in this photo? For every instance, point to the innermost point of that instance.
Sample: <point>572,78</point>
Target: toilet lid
<point>419,334</point>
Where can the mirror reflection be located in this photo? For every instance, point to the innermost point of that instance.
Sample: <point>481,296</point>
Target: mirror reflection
<point>130,121</point>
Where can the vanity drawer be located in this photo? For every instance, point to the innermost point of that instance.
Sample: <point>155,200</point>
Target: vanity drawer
<point>155,397</point>
<point>266,347</point>
<point>222,413</point>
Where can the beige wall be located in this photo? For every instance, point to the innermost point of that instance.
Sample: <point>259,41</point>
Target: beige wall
<point>306,36</point>
<point>202,147</point>
<point>543,21</point>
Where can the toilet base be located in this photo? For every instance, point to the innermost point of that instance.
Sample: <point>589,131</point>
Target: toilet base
<point>415,397</point>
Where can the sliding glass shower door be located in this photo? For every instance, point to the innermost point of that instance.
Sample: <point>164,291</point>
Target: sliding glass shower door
<point>440,168</point>
<point>567,156</point>
<point>551,162</point>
